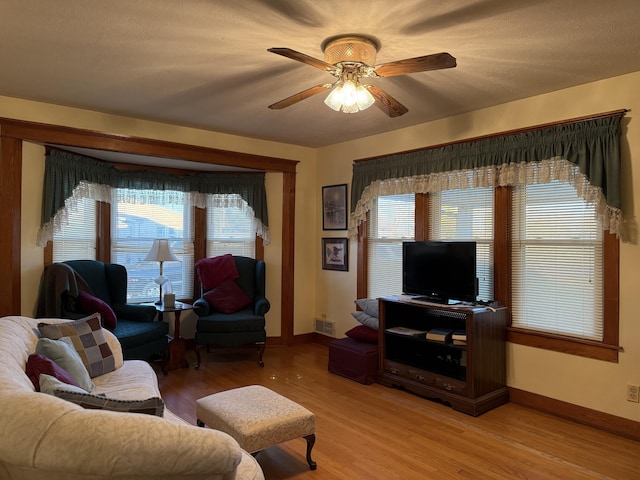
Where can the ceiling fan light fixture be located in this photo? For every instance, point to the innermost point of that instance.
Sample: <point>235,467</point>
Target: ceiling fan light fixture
<point>349,97</point>
<point>350,48</point>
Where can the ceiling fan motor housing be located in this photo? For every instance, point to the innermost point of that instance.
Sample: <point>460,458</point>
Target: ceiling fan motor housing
<point>350,49</point>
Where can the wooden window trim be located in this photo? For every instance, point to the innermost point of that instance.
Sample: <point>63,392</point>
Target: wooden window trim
<point>607,350</point>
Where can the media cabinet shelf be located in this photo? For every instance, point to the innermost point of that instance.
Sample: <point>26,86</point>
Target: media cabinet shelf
<point>471,378</point>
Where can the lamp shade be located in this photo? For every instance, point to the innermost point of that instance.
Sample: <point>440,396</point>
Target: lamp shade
<point>349,97</point>
<point>160,252</point>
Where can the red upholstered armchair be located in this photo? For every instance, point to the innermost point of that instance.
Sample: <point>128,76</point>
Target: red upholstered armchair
<point>231,311</point>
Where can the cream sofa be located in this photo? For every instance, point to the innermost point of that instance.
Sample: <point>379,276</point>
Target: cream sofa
<point>42,436</point>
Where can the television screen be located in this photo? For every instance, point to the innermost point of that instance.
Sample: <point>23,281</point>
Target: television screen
<point>440,271</point>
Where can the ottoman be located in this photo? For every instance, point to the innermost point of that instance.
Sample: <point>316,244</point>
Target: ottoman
<point>257,418</point>
<point>354,359</point>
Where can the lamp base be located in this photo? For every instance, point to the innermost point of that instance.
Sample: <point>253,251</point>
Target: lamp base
<point>159,302</point>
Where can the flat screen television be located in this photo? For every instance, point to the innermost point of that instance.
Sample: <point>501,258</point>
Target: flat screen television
<point>442,272</point>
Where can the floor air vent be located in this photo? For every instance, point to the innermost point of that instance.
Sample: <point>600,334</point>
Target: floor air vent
<point>326,327</point>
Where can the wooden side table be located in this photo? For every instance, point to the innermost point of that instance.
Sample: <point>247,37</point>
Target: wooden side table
<point>177,345</point>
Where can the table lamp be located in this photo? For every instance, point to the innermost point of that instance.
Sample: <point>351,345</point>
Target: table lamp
<point>160,252</point>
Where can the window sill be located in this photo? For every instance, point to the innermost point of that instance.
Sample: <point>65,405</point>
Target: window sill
<point>557,343</point>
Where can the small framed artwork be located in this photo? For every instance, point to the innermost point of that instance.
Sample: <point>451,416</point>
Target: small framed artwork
<point>335,254</point>
<point>334,207</point>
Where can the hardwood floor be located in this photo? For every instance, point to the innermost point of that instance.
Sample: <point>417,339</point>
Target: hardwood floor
<point>374,432</point>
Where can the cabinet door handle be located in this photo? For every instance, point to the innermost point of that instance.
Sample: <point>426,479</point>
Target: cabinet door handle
<point>449,386</point>
<point>393,370</point>
<point>419,377</point>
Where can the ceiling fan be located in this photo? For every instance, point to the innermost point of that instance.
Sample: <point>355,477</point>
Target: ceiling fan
<point>351,59</point>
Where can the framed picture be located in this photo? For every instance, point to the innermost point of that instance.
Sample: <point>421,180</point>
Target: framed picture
<point>335,254</point>
<point>334,207</point>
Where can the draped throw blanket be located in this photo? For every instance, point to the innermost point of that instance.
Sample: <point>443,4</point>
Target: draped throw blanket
<point>585,153</point>
<point>69,177</point>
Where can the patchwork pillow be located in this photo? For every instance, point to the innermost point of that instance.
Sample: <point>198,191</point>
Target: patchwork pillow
<point>227,297</point>
<point>363,333</point>
<point>87,303</point>
<point>49,384</point>
<point>150,406</point>
<point>63,353</point>
<point>213,271</point>
<point>88,340</point>
<point>365,319</point>
<point>368,306</point>
<point>40,365</point>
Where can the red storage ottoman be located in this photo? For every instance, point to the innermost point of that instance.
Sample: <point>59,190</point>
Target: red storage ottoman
<point>354,359</point>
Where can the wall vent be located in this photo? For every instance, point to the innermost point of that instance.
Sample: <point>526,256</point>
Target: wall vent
<point>326,327</point>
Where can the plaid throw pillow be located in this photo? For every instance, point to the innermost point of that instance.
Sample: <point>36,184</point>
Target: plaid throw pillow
<point>88,340</point>
<point>150,406</point>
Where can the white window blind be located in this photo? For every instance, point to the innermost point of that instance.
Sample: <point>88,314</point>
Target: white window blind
<point>135,223</point>
<point>230,227</point>
<point>557,262</point>
<point>467,215</point>
<point>392,221</point>
<point>77,240</point>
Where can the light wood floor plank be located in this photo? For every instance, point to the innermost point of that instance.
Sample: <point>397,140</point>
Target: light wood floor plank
<point>374,432</point>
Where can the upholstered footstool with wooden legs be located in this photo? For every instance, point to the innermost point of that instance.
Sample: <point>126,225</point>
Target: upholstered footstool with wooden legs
<point>257,418</point>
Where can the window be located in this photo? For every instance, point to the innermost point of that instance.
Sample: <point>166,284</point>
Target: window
<point>467,215</point>
<point>557,262</point>
<point>392,221</point>
<point>137,218</point>
<point>230,226</point>
<point>78,239</point>
<point>553,265</point>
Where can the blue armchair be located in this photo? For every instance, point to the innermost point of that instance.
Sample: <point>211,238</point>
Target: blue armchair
<point>139,334</point>
<point>243,327</point>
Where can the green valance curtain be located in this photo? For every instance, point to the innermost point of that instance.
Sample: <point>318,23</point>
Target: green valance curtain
<point>69,176</point>
<point>586,153</point>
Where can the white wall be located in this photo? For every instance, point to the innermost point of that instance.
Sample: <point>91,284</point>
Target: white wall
<point>590,383</point>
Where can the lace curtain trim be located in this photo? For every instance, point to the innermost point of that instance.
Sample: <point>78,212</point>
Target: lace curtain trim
<point>105,193</point>
<point>508,174</point>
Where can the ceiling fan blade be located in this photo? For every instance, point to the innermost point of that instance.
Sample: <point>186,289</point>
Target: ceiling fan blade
<point>301,57</point>
<point>309,92</point>
<point>435,61</point>
<point>386,102</point>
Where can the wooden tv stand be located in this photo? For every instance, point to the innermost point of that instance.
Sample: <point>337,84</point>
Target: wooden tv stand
<point>471,378</point>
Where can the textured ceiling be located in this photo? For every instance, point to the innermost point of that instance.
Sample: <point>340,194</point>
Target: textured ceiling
<point>204,63</point>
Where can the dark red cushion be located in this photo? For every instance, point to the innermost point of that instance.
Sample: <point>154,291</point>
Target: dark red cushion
<point>227,297</point>
<point>87,303</point>
<point>38,364</point>
<point>213,271</point>
<point>363,333</point>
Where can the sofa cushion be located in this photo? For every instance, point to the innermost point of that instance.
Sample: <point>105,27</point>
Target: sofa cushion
<point>363,333</point>
<point>40,365</point>
<point>88,340</point>
<point>49,384</point>
<point>150,406</point>
<point>213,271</point>
<point>87,303</point>
<point>63,353</point>
<point>227,297</point>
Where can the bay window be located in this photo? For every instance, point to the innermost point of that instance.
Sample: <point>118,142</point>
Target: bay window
<point>92,210</point>
<point>77,240</point>
<point>135,223</point>
<point>230,226</point>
